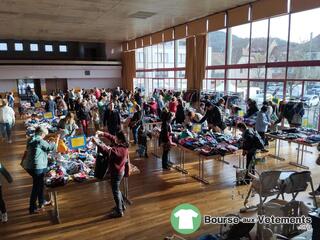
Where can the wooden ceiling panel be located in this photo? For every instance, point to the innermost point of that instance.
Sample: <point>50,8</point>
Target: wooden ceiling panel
<point>99,20</point>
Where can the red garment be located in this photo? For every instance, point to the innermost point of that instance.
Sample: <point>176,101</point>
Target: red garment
<point>153,107</point>
<point>173,106</point>
<point>98,94</point>
<point>85,126</point>
<point>118,155</point>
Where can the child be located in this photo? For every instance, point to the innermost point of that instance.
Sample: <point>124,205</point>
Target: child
<point>6,174</point>
<point>143,141</point>
<point>95,118</point>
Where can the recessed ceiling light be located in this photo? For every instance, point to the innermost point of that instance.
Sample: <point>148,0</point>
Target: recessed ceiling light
<point>142,15</point>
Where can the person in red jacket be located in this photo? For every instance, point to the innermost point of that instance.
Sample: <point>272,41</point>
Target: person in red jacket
<point>97,93</point>
<point>118,152</point>
<point>173,105</point>
<point>153,105</point>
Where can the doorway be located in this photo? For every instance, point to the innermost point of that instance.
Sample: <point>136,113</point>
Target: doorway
<point>54,85</point>
<point>27,86</point>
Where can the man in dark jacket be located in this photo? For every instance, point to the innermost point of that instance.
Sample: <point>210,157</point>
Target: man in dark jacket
<point>112,119</point>
<point>214,116</point>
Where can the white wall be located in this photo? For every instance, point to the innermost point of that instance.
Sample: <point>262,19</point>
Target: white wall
<point>90,83</point>
<point>8,85</point>
<point>100,76</point>
<point>37,71</point>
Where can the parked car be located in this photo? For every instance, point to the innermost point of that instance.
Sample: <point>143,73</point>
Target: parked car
<point>310,100</point>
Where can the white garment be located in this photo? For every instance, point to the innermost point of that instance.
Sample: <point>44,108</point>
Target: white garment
<point>7,115</point>
<point>186,218</point>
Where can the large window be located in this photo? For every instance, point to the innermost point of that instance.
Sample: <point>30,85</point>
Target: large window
<point>139,58</point>
<point>181,53</point>
<point>169,54</point>
<point>238,44</point>
<point>161,66</point>
<point>278,39</point>
<point>216,51</point>
<point>259,42</point>
<point>305,36</point>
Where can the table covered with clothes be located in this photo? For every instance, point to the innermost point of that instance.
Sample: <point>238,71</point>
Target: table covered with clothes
<point>204,144</point>
<point>27,110</point>
<point>32,123</point>
<point>303,137</point>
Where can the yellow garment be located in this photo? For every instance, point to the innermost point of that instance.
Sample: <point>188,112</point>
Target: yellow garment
<point>62,147</point>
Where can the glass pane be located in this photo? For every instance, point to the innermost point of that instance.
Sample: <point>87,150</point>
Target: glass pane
<point>166,84</point>
<point>258,73</point>
<point>219,85</point>
<point>216,49</point>
<point>305,36</point>
<point>181,53</point>
<point>294,90</point>
<point>150,85</point>
<point>238,73</point>
<point>256,92</point>
<point>34,47</point>
<point>275,91</point>
<point>239,44</point>
<point>139,58</point>
<point>312,88</point>
<point>3,47</point>
<point>169,54</point>
<point>276,73</point>
<point>154,56</point>
<point>181,74</point>
<point>215,73</point>
<point>304,73</point>
<point>148,56</point>
<point>160,56</point>
<point>184,84</point>
<point>311,103</point>
<point>48,48</point>
<point>161,83</point>
<point>139,74</point>
<point>259,40</point>
<point>18,47</point>
<point>242,87</point>
<point>231,86</point>
<point>278,38</point>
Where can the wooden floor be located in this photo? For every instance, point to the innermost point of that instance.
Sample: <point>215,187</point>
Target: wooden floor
<point>154,194</point>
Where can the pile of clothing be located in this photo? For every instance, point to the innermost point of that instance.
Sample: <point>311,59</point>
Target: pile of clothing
<point>209,143</point>
<point>72,166</point>
<point>32,124</point>
<point>302,135</point>
<point>233,120</point>
<point>151,119</point>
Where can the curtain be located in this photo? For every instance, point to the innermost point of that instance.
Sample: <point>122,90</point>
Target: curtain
<point>190,56</point>
<point>200,61</point>
<point>196,61</point>
<point>128,69</point>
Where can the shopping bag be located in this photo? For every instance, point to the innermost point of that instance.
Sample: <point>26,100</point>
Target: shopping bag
<point>102,164</point>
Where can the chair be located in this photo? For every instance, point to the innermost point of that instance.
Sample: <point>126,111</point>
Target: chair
<point>280,208</point>
<point>266,185</point>
<point>295,183</point>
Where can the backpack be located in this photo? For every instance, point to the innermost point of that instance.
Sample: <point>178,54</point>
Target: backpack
<point>252,140</point>
<point>258,141</point>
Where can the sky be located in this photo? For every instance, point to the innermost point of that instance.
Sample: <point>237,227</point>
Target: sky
<point>302,24</point>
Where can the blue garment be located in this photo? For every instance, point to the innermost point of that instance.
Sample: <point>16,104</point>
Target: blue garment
<point>262,122</point>
<point>10,101</point>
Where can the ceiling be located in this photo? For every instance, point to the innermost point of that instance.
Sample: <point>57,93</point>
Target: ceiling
<point>99,20</point>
